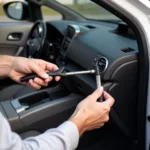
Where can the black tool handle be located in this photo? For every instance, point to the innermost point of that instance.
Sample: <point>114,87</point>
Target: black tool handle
<point>28,77</point>
<point>33,75</point>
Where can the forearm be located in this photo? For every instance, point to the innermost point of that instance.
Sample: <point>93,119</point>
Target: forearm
<point>79,119</point>
<point>5,64</point>
<point>64,137</point>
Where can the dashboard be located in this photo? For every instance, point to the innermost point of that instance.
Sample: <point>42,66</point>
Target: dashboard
<point>84,43</point>
<point>113,46</point>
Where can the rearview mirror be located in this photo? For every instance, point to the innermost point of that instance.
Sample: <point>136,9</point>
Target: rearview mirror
<point>17,10</point>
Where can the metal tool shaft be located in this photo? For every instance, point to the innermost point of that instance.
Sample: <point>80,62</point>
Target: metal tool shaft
<point>80,72</point>
<point>98,82</point>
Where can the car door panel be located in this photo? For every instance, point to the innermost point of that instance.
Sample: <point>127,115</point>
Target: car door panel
<point>49,104</point>
<point>13,37</point>
<point>8,49</point>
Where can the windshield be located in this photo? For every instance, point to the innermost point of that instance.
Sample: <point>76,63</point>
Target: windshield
<point>88,9</point>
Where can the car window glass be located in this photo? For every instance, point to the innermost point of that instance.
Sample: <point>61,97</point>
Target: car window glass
<point>50,14</point>
<point>88,9</point>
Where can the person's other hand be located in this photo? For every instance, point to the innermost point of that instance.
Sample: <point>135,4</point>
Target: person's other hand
<point>91,114</point>
<point>23,66</point>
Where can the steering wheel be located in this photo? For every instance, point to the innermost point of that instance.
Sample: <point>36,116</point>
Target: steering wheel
<point>36,39</point>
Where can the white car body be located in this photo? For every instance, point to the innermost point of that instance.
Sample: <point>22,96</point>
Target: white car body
<point>140,11</point>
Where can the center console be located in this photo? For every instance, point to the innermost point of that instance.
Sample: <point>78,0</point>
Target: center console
<point>35,107</point>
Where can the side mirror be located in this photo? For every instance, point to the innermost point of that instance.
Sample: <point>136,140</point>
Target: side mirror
<point>17,10</point>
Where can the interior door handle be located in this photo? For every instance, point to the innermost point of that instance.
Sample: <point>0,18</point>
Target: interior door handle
<point>11,38</point>
<point>14,37</point>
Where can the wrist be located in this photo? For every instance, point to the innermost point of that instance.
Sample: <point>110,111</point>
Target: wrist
<point>6,64</point>
<point>79,119</point>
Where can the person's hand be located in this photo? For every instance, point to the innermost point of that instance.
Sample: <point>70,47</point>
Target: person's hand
<point>91,114</point>
<point>23,66</point>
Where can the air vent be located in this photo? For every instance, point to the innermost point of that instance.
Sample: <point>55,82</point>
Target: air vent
<point>127,50</point>
<point>103,64</point>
